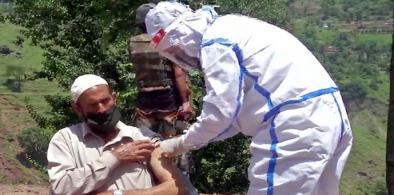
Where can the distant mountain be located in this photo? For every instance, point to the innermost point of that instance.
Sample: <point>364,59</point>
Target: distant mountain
<point>353,40</point>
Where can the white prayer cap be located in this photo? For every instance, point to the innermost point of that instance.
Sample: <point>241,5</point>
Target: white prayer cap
<point>84,82</point>
<point>163,15</point>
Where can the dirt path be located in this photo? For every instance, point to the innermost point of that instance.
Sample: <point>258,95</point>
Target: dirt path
<point>23,189</point>
<point>13,119</point>
<point>7,168</point>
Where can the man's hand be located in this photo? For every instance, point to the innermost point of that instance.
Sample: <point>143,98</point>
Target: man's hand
<point>170,179</point>
<point>134,151</point>
<point>186,112</point>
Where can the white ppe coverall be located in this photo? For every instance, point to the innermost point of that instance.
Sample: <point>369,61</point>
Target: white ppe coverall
<point>261,81</point>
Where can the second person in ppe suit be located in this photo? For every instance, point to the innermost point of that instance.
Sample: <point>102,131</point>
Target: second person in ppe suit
<point>260,81</point>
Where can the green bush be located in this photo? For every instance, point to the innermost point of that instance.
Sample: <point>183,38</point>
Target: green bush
<point>222,167</point>
<point>35,142</point>
<point>83,36</point>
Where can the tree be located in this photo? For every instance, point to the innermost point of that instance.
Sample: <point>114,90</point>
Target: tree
<point>78,36</point>
<point>81,37</point>
<point>222,167</point>
<point>86,36</point>
<point>274,12</point>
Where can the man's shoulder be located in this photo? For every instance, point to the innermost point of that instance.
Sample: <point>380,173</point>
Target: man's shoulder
<point>134,131</point>
<point>132,128</point>
<point>67,132</point>
<point>138,133</point>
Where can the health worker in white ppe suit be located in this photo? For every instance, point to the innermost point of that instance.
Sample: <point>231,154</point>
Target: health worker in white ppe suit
<point>260,81</point>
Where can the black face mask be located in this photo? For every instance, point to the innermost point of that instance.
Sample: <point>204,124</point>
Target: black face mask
<point>104,122</point>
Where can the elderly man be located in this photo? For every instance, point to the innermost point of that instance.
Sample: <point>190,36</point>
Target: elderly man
<point>102,154</point>
<point>261,81</point>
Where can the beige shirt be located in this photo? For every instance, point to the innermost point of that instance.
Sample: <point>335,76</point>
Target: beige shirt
<point>80,162</point>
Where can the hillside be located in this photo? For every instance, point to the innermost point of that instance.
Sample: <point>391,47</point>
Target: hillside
<point>354,47</point>
<point>354,44</point>
<point>15,92</point>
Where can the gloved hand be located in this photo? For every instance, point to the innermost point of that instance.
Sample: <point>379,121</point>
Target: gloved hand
<point>173,146</point>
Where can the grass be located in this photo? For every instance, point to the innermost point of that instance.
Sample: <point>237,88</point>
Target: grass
<point>30,61</point>
<point>365,169</point>
<point>31,56</point>
<point>326,36</point>
<point>12,105</point>
<point>382,39</point>
<point>383,89</point>
<point>31,176</point>
<point>5,8</point>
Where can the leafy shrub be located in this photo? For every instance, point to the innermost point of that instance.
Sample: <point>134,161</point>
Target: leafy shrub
<point>35,142</point>
<point>222,167</point>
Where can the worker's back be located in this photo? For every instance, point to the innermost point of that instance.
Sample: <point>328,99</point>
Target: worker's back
<point>285,99</point>
<point>154,76</point>
<point>274,60</point>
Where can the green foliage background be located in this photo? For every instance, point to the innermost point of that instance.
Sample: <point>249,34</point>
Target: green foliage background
<point>90,37</point>
<point>84,36</point>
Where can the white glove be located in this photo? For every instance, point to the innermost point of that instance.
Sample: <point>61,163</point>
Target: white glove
<point>173,146</point>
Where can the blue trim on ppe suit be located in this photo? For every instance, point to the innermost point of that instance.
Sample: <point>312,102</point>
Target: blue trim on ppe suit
<point>273,110</point>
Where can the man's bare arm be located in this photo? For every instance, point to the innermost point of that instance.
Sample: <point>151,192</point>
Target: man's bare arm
<point>182,83</point>
<point>171,180</point>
